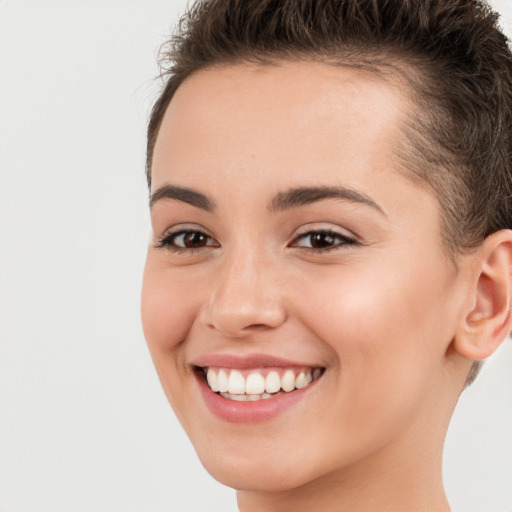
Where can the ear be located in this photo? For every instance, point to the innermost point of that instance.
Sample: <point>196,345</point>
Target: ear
<point>488,320</point>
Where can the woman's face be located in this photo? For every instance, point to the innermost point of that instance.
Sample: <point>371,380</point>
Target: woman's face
<point>286,241</point>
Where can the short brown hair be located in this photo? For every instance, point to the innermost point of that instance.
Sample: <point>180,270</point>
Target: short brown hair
<point>451,53</point>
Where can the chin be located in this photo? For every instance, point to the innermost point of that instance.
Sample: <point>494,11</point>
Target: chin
<point>255,463</point>
<point>257,474</point>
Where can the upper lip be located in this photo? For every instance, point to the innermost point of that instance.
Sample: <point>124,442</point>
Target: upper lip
<point>247,361</point>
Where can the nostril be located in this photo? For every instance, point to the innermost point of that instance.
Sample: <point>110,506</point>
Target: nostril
<point>239,316</point>
<point>256,327</point>
<point>236,331</point>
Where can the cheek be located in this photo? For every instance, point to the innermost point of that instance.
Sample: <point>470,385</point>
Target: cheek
<point>354,308</point>
<point>167,308</point>
<point>168,312</point>
<point>381,329</point>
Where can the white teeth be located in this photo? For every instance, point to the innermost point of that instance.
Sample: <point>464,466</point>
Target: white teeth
<point>246,398</point>
<point>288,381</point>
<point>233,385</point>
<point>301,381</point>
<point>239,398</point>
<point>236,383</point>
<point>272,382</point>
<point>212,379</point>
<point>222,381</point>
<point>255,384</point>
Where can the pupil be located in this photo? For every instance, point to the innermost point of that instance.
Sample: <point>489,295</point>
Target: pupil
<point>194,239</point>
<point>321,240</point>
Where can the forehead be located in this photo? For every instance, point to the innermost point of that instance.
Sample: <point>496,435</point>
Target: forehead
<point>283,123</point>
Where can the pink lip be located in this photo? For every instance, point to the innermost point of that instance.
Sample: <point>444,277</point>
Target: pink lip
<point>248,412</point>
<point>250,361</point>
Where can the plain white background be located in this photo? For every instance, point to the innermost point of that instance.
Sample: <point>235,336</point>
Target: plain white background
<point>84,425</point>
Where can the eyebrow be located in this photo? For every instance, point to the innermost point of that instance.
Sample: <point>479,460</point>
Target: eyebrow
<point>303,196</point>
<point>186,195</point>
<point>288,199</point>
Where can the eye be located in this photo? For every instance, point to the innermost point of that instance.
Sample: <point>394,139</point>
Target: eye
<point>322,240</point>
<point>186,240</point>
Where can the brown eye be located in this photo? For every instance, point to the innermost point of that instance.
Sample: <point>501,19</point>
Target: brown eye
<point>322,240</point>
<point>187,239</point>
<point>191,239</point>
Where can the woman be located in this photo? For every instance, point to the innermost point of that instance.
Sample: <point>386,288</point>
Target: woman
<point>331,253</point>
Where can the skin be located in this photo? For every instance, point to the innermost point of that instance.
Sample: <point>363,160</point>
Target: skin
<point>383,315</point>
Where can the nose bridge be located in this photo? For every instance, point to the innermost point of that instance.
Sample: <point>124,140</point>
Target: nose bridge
<point>245,296</point>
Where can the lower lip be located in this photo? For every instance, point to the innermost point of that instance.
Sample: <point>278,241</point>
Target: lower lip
<point>250,412</point>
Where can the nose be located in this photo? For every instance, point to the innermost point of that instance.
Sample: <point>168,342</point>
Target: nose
<point>246,298</point>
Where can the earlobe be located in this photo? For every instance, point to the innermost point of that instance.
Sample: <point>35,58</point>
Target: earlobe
<point>489,320</point>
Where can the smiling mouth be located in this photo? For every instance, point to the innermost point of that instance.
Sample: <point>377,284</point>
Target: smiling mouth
<point>257,384</point>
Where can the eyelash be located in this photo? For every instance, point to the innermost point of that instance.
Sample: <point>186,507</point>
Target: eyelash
<point>168,241</point>
<point>342,240</point>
